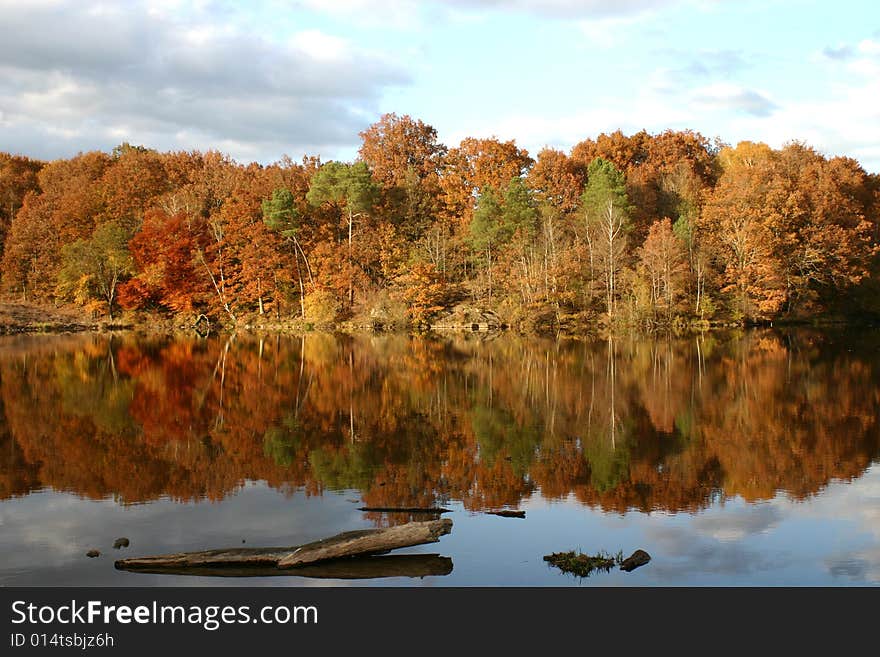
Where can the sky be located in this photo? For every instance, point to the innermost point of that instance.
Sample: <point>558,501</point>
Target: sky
<point>268,78</point>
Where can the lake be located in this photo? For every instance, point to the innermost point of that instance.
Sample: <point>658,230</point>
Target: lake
<point>741,458</point>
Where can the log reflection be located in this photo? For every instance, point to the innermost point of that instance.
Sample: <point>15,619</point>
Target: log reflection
<point>400,565</point>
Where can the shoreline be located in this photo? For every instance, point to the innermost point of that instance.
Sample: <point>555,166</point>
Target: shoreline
<point>167,326</point>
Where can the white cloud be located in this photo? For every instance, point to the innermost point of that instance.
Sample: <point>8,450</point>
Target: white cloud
<point>596,17</point>
<point>727,96</point>
<point>869,47</point>
<point>739,522</point>
<point>73,78</point>
<point>321,46</point>
<point>845,121</point>
<point>395,14</point>
<point>563,131</point>
<point>595,9</point>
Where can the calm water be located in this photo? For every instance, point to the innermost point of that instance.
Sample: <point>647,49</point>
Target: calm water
<point>733,459</point>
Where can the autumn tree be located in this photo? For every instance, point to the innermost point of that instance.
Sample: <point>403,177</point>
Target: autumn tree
<point>18,176</point>
<point>281,215</point>
<point>396,145</point>
<point>217,183</point>
<point>30,251</point>
<point>64,211</point>
<point>788,227</point>
<point>475,165</point>
<point>665,173</point>
<point>605,209</point>
<point>93,268</point>
<point>164,255</point>
<point>827,204</point>
<point>349,187</point>
<point>556,180</point>
<point>257,264</point>
<point>663,266</point>
<point>426,292</point>
<point>625,153</point>
<point>405,157</point>
<point>499,218</point>
<point>700,270</point>
<point>486,230</point>
<point>520,225</point>
<point>135,177</point>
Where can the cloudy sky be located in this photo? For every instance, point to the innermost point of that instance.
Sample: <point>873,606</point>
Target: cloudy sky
<point>272,77</point>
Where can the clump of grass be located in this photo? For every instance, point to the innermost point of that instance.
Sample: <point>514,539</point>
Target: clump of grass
<point>584,565</point>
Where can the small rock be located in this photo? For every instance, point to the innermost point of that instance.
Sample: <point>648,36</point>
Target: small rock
<point>505,513</point>
<point>636,559</point>
<point>120,543</point>
<point>91,554</point>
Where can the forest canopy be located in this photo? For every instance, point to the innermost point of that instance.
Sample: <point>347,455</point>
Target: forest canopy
<point>641,230</point>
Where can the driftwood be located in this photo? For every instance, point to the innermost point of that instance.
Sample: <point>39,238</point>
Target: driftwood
<point>504,513</point>
<point>369,541</point>
<point>354,543</point>
<point>369,567</point>
<point>405,509</point>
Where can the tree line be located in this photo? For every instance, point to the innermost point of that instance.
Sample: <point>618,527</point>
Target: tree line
<point>647,230</point>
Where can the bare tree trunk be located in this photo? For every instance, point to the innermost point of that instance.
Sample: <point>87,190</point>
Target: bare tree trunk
<point>350,262</point>
<point>611,263</point>
<point>592,266</point>
<point>489,268</point>
<point>302,290</point>
<point>297,253</point>
<point>217,287</point>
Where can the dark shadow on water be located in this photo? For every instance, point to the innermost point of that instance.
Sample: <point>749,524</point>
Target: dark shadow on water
<point>401,565</point>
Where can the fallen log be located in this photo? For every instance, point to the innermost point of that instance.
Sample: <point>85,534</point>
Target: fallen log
<point>354,543</point>
<point>369,567</point>
<point>405,509</point>
<point>369,541</point>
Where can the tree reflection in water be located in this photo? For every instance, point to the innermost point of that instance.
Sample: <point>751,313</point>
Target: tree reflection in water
<point>633,423</point>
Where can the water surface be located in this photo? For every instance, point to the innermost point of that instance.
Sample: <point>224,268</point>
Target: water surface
<point>733,459</point>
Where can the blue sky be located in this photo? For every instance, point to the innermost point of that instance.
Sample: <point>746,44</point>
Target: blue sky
<point>273,77</point>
